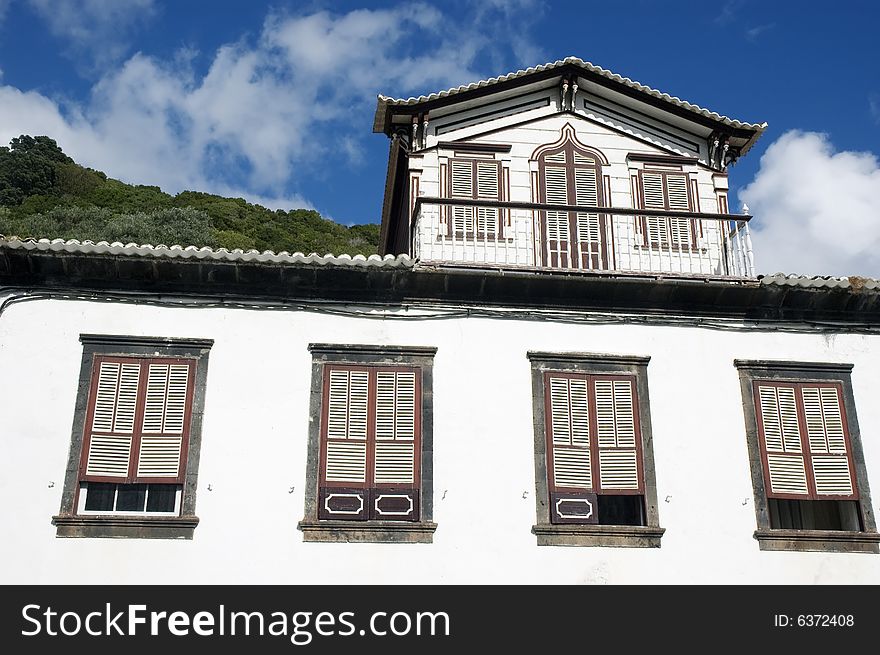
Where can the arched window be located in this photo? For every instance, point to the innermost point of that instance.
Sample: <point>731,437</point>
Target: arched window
<point>570,173</point>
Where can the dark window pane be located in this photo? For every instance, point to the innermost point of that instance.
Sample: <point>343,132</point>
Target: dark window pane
<point>789,514</point>
<point>99,496</point>
<point>161,497</point>
<point>131,498</point>
<point>621,510</point>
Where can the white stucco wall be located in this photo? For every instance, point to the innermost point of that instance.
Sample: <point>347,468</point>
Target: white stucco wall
<point>253,454</point>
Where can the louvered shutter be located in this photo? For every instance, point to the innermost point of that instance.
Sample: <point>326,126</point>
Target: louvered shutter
<point>370,444</point>
<point>462,186</point>
<point>343,494</point>
<point>586,186</point>
<point>827,440</point>
<point>488,187</point>
<point>570,433</point>
<point>657,227</point>
<point>680,230</point>
<point>160,456</point>
<point>111,434</point>
<point>616,435</point>
<point>785,463</point>
<point>809,457</point>
<point>557,226</point>
<point>138,425</point>
<point>396,451</point>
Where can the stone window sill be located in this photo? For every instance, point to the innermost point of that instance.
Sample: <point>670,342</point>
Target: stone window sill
<point>824,541</point>
<point>621,536</point>
<point>126,527</point>
<point>368,531</point>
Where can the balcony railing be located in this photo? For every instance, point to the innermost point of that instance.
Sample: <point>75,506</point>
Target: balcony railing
<point>578,237</point>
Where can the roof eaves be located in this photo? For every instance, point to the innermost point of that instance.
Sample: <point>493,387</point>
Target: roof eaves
<point>117,248</point>
<point>386,101</point>
<point>854,282</point>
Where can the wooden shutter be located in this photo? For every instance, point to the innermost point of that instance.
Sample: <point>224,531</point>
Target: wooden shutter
<point>396,460</point>
<point>110,440</point>
<point>656,227</point>
<point>593,442</point>
<point>616,435</point>
<point>570,433</point>
<point>803,439</point>
<point>827,439</point>
<point>680,230</point>
<point>370,444</point>
<point>557,227</point>
<point>137,429</point>
<point>488,188</point>
<point>663,190</point>
<point>586,186</point>
<point>785,463</point>
<point>462,186</point>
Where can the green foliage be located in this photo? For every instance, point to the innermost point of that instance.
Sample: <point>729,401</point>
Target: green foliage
<point>39,147</point>
<point>74,180</point>
<point>182,226</point>
<point>45,194</point>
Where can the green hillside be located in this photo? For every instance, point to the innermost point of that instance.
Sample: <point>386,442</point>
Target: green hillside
<point>45,194</point>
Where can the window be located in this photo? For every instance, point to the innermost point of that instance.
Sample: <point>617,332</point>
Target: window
<point>475,179</point>
<point>594,467</point>
<point>668,191</point>
<point>811,489</point>
<point>136,435</point>
<point>571,174</point>
<point>369,472</point>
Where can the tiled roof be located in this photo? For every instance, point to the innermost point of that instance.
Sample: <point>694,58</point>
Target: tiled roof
<point>854,282</point>
<point>386,101</point>
<point>192,252</point>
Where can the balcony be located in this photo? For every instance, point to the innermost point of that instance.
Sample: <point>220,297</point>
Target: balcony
<point>617,240</point>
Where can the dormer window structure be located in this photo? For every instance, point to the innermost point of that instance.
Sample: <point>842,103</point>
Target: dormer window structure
<point>565,166</point>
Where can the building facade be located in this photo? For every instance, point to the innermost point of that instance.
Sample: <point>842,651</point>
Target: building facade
<point>563,369</point>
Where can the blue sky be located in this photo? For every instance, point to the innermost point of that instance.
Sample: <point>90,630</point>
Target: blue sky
<point>273,101</point>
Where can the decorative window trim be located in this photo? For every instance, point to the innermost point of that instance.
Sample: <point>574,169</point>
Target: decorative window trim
<point>550,534</point>
<point>70,524</point>
<point>322,530</point>
<point>839,541</point>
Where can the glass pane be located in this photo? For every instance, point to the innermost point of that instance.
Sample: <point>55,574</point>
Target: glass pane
<point>131,498</point>
<point>99,496</point>
<point>161,497</point>
<point>621,510</point>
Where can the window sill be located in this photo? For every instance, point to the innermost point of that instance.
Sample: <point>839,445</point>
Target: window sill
<point>823,541</point>
<point>126,527</point>
<point>397,532</point>
<point>621,536</point>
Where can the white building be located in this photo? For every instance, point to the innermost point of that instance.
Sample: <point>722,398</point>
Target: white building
<point>563,370</point>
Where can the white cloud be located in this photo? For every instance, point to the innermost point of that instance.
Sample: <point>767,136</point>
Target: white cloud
<point>729,11</point>
<point>97,29</point>
<point>300,95</point>
<point>873,106</point>
<point>753,33</point>
<point>816,209</point>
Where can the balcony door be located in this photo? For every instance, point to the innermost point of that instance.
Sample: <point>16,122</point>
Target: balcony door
<point>571,175</point>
